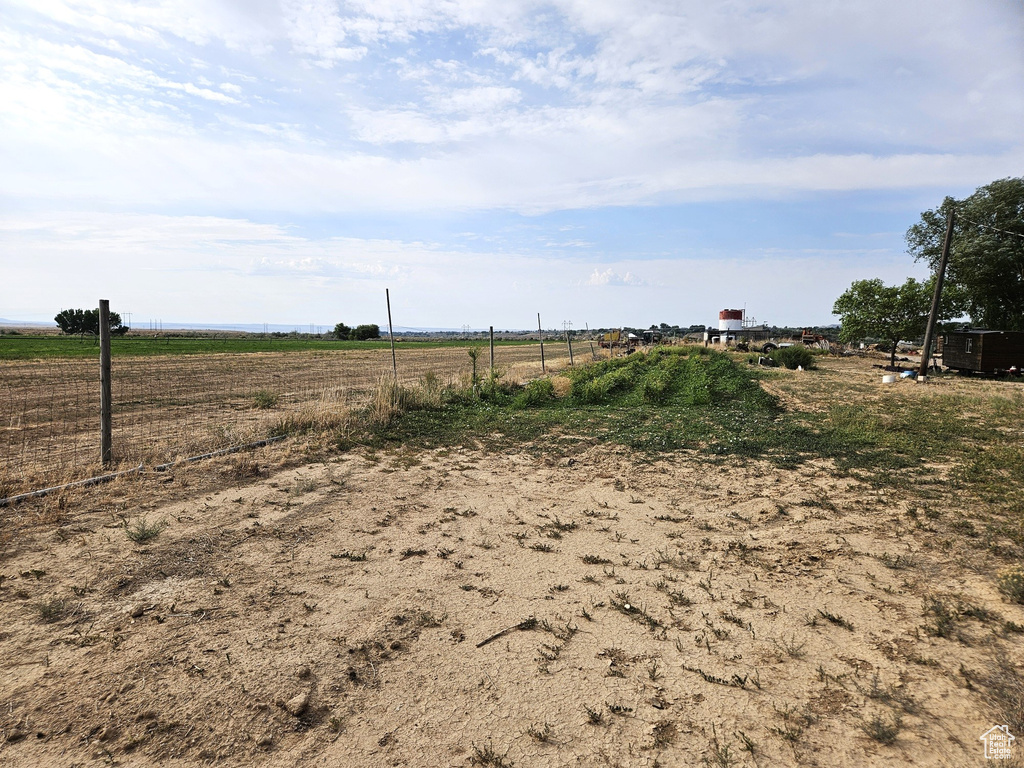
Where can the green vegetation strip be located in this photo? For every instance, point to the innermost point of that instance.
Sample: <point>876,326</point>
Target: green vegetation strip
<point>24,347</point>
<point>693,399</point>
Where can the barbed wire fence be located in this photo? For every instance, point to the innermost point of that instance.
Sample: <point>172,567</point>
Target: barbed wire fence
<point>167,408</point>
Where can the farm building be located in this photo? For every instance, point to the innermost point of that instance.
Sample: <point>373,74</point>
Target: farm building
<point>983,351</point>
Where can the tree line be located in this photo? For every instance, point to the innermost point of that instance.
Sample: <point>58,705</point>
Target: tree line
<point>984,278</point>
<point>359,333</point>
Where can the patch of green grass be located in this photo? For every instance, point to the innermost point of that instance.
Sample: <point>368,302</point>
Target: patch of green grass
<point>28,347</point>
<point>263,399</point>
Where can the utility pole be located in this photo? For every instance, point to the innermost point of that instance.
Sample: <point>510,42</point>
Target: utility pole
<point>939,279</point>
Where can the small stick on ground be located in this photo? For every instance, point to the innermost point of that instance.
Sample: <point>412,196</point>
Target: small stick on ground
<point>524,625</point>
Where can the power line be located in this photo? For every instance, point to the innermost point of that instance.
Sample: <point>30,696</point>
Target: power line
<point>989,226</point>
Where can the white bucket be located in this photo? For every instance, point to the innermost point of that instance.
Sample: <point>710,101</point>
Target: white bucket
<point>889,378</point>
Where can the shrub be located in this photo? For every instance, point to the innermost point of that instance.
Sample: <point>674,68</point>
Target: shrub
<point>1011,583</point>
<point>536,392</point>
<point>142,531</point>
<point>793,357</point>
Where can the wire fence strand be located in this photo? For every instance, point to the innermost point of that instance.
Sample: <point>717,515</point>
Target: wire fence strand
<point>171,407</point>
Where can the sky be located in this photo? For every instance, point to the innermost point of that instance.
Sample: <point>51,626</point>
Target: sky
<point>601,163</point>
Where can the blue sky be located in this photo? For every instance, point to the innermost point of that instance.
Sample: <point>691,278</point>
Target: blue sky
<point>605,163</point>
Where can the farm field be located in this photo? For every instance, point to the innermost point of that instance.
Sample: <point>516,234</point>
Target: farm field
<point>32,347</point>
<point>823,590</point>
<point>170,406</point>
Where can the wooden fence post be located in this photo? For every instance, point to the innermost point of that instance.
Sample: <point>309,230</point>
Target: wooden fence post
<point>106,430</point>
<point>492,355</point>
<point>540,335</point>
<point>391,335</point>
<point>569,342</point>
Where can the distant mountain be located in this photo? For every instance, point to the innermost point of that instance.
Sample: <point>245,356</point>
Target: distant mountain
<point>171,325</point>
<point>26,323</point>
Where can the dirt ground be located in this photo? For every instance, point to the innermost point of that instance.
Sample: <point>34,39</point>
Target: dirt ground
<point>454,608</point>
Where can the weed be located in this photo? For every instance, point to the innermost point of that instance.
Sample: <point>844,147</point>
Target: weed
<point>141,530</point>
<point>721,754</point>
<point>595,560</point>
<point>1011,583</point>
<point>748,744</point>
<point>355,557</point>
<point>893,695</point>
<point>303,486</point>
<point>486,756</point>
<point>882,729</point>
<point>264,399</point>
<point>792,648</point>
<point>832,618</point>
<point>663,733</point>
<point>407,553</point>
<point>563,527</point>
<point>542,547</point>
<point>653,672</point>
<point>621,603</point>
<point>897,563</point>
<point>594,716</point>
<point>789,732</point>
<point>541,733</point>
<point>53,610</point>
<point>736,681</point>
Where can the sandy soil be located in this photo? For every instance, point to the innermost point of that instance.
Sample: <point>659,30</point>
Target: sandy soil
<point>453,608</point>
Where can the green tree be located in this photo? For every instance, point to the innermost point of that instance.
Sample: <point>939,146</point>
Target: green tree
<point>342,331</point>
<point>82,321</point>
<point>986,261</point>
<point>364,332</point>
<point>869,308</point>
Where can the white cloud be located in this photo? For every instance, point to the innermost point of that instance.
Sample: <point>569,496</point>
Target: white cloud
<point>350,111</point>
<point>610,277</point>
<point>231,270</point>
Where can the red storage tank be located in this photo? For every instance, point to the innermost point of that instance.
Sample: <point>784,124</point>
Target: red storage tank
<point>730,320</point>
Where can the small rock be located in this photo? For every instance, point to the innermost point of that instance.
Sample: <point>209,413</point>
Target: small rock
<point>138,610</point>
<point>297,705</point>
<point>264,739</point>
<point>303,672</point>
<point>108,732</point>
